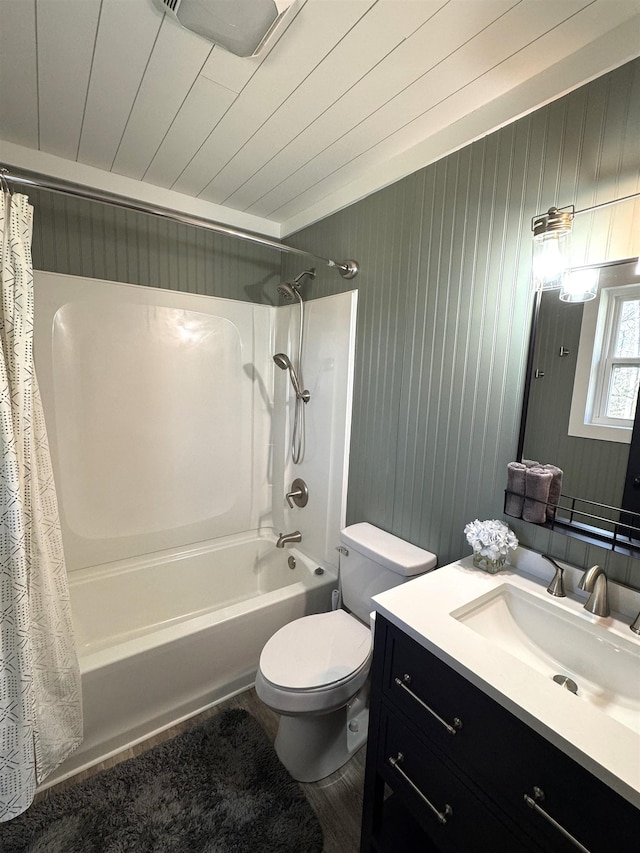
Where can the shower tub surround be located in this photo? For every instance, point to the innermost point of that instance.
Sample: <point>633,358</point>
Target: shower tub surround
<point>169,435</point>
<point>164,637</point>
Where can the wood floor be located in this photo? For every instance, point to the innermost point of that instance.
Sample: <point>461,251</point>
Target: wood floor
<point>337,800</point>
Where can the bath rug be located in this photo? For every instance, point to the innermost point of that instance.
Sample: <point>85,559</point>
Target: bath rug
<point>217,788</point>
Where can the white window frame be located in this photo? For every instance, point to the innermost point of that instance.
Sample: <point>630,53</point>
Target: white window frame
<point>599,321</point>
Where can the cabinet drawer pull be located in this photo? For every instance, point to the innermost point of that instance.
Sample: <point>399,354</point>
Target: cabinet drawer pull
<point>446,812</point>
<point>538,797</point>
<point>404,682</point>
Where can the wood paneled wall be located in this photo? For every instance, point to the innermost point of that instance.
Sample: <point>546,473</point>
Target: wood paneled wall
<point>79,237</point>
<point>445,306</point>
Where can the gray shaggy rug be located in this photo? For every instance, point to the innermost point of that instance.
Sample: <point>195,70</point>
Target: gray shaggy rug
<point>218,788</point>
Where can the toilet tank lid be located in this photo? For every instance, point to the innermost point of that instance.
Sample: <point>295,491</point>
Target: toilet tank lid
<point>388,550</point>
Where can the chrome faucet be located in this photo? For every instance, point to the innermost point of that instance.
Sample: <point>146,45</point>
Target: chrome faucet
<point>635,625</point>
<point>594,581</point>
<point>556,587</point>
<point>288,538</point>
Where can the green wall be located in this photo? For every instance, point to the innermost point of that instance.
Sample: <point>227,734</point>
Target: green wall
<point>84,238</point>
<point>444,314</point>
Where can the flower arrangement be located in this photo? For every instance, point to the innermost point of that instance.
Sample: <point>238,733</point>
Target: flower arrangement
<point>491,542</point>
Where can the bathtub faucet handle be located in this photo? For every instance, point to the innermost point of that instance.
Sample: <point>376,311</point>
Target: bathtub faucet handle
<point>299,494</point>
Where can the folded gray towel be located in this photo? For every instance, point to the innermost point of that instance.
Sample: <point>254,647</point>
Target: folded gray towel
<point>537,482</point>
<point>529,463</point>
<point>515,489</point>
<point>555,490</point>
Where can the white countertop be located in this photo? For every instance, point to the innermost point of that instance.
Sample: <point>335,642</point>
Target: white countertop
<point>422,607</point>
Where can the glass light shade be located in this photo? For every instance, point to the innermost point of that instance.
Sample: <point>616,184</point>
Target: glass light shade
<point>550,259</point>
<point>551,245</point>
<point>580,286</point>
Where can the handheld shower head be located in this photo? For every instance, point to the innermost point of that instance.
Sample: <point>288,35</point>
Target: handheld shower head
<point>290,290</point>
<point>284,363</point>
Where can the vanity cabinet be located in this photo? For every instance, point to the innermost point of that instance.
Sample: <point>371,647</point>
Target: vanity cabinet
<point>450,769</point>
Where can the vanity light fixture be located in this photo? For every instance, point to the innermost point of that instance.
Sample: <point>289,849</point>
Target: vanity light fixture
<point>551,247</point>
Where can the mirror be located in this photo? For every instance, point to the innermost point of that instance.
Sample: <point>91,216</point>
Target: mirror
<point>595,468</point>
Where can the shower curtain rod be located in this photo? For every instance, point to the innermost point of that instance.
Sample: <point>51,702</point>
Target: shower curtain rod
<point>347,269</point>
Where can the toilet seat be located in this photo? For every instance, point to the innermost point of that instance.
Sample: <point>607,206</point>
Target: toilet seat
<point>314,664</point>
<point>317,651</point>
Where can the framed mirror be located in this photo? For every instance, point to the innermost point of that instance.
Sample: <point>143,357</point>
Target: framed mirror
<point>580,407</point>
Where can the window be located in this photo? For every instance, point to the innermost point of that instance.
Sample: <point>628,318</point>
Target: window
<point>608,369</point>
<point>618,372</point>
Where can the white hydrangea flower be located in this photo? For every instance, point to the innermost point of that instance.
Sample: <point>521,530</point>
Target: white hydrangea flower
<point>492,539</point>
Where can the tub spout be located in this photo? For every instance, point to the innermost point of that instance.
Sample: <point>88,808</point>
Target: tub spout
<point>288,538</point>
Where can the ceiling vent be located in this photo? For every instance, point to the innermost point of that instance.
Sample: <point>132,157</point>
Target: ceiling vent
<point>242,27</point>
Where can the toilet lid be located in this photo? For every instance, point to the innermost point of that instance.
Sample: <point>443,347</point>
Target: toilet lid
<point>316,651</point>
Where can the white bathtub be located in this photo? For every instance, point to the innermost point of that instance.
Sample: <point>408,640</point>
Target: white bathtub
<point>164,637</point>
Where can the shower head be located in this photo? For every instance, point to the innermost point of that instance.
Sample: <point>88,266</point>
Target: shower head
<point>291,289</point>
<point>288,291</point>
<point>284,363</point>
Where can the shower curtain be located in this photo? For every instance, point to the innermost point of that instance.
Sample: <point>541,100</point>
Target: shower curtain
<point>40,699</point>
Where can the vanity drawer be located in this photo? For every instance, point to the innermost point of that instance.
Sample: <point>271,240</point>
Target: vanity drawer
<point>453,817</point>
<point>567,797</point>
<point>468,726</point>
<point>507,759</point>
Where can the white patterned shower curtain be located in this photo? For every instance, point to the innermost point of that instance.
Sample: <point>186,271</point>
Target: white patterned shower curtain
<point>40,699</point>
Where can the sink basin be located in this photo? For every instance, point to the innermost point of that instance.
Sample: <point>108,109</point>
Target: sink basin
<point>555,641</point>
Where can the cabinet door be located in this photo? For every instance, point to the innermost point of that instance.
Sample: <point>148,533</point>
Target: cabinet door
<point>452,816</point>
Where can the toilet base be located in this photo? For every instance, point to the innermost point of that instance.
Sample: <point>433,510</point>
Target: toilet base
<point>313,746</point>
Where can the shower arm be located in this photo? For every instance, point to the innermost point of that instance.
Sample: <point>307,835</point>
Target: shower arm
<point>347,269</point>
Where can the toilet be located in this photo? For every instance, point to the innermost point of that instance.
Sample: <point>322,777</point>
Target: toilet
<point>314,670</point>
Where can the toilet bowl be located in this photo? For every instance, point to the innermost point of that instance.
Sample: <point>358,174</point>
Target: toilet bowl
<point>315,664</point>
<point>314,670</point>
<point>311,672</point>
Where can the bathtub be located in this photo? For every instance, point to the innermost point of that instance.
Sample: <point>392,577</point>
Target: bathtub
<point>163,637</point>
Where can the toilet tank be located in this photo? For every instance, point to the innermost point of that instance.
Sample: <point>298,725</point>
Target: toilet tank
<point>372,561</point>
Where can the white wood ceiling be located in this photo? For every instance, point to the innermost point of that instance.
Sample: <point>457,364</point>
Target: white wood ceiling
<point>353,94</point>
